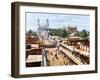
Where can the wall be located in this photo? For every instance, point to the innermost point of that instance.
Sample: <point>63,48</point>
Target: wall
<point>5,40</point>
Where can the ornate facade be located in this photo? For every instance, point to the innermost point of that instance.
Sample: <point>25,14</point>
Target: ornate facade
<point>43,30</point>
<point>71,29</point>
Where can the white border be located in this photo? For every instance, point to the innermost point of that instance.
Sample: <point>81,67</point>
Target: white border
<point>36,70</point>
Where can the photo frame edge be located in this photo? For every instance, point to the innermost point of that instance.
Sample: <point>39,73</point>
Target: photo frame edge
<point>15,40</point>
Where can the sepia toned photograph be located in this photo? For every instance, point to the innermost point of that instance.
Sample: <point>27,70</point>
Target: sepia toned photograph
<point>57,39</point>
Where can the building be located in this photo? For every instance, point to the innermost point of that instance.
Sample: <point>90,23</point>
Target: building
<point>33,52</point>
<point>32,42</point>
<point>43,30</point>
<point>71,29</point>
<point>33,57</point>
<point>78,42</point>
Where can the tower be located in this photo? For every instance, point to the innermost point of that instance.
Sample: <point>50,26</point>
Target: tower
<point>47,22</point>
<point>38,22</point>
<point>43,30</point>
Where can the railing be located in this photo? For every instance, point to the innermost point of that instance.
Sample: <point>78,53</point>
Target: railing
<point>74,54</point>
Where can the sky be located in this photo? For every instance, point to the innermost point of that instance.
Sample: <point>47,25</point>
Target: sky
<point>57,20</point>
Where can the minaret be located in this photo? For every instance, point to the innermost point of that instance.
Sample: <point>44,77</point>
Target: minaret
<point>38,22</point>
<point>43,30</point>
<point>47,22</point>
<point>38,27</point>
<point>47,27</point>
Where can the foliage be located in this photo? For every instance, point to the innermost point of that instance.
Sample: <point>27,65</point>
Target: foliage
<point>83,34</point>
<point>58,32</point>
<point>78,33</point>
<point>31,33</point>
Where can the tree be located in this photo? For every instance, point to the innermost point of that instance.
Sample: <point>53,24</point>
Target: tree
<point>83,34</point>
<point>78,33</point>
<point>31,33</point>
<point>58,32</point>
<point>64,33</point>
<point>34,34</point>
